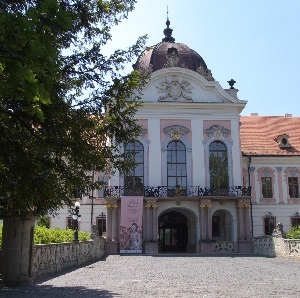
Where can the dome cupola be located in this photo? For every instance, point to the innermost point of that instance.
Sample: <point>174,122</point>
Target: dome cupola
<point>168,53</point>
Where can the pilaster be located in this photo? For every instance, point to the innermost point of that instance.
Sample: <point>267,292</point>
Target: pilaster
<point>279,173</point>
<point>154,152</point>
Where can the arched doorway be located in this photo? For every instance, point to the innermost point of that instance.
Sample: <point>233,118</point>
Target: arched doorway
<point>173,232</point>
<point>222,226</point>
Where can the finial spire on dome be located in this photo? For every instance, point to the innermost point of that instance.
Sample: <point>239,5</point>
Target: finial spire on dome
<point>168,31</point>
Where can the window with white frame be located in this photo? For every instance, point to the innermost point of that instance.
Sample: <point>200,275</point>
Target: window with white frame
<point>292,175</point>
<point>176,164</point>
<point>266,178</point>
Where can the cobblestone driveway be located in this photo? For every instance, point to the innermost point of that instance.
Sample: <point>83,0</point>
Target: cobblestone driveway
<point>172,276</point>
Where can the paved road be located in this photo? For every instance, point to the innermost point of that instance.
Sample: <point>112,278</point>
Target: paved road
<point>171,276</point>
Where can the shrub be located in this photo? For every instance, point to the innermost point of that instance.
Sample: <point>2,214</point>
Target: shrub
<point>43,235</point>
<point>293,233</point>
<point>44,221</point>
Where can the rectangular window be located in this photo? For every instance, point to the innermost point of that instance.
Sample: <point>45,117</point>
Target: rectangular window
<point>295,221</point>
<point>216,226</point>
<point>101,225</point>
<point>293,187</point>
<point>266,184</point>
<point>269,224</point>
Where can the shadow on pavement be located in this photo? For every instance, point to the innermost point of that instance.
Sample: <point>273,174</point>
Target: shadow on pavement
<point>36,291</point>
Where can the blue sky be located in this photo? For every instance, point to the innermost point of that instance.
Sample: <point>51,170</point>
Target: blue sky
<point>255,42</point>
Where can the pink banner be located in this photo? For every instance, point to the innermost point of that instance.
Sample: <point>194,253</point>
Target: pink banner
<point>131,224</point>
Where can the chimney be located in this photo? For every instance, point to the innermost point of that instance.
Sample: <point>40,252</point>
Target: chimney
<point>288,115</point>
<point>253,114</point>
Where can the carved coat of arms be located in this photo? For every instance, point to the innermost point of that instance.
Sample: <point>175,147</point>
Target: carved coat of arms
<point>175,89</point>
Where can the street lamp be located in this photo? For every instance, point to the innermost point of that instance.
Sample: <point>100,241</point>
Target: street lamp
<point>76,217</point>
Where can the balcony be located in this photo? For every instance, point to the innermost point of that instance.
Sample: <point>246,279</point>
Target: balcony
<point>175,191</point>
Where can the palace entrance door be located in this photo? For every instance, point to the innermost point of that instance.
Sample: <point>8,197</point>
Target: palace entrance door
<point>173,232</point>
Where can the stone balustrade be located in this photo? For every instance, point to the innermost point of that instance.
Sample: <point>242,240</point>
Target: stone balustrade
<point>51,258</point>
<point>274,246</point>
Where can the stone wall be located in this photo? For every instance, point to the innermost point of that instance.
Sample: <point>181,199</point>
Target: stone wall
<point>51,258</point>
<point>275,246</point>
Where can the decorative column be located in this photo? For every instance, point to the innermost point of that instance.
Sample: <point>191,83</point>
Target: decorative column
<point>279,173</point>
<point>209,223</point>
<point>108,222</point>
<point>244,238</point>
<point>151,244</point>
<point>202,223</point>
<point>114,224</point>
<point>241,230</point>
<point>154,223</point>
<point>111,246</point>
<point>206,245</point>
<point>148,222</point>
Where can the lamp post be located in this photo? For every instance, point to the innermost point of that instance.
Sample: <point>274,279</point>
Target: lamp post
<point>76,217</point>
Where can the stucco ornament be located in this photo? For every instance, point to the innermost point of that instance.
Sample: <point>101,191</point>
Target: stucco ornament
<point>175,89</point>
<point>217,132</point>
<point>172,57</point>
<point>206,73</point>
<point>176,132</point>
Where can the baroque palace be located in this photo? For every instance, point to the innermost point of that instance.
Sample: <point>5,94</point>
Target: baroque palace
<point>208,178</point>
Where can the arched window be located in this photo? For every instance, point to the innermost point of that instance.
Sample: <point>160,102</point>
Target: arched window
<point>218,165</point>
<point>176,164</point>
<point>135,177</point>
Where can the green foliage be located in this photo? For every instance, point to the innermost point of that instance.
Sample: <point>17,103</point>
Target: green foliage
<point>44,221</point>
<point>61,99</point>
<point>43,235</point>
<point>293,233</point>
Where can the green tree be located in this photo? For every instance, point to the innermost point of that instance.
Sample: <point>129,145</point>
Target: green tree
<point>63,104</point>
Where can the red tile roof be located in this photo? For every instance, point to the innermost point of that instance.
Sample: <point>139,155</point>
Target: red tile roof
<point>258,134</point>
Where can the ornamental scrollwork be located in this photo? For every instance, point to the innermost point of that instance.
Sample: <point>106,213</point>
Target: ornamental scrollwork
<point>176,132</point>
<point>175,89</point>
<point>217,132</point>
<point>206,73</point>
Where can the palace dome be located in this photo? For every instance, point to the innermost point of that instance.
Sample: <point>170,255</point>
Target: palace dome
<point>168,53</point>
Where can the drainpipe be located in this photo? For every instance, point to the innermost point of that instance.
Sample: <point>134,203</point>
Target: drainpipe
<point>92,206</point>
<point>250,200</point>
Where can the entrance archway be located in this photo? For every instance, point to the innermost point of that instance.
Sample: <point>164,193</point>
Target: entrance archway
<point>222,226</point>
<point>173,232</point>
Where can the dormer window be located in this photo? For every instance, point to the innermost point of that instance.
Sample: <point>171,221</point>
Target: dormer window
<point>283,141</point>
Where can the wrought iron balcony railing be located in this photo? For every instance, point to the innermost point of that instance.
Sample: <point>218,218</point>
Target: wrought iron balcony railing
<point>174,191</point>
